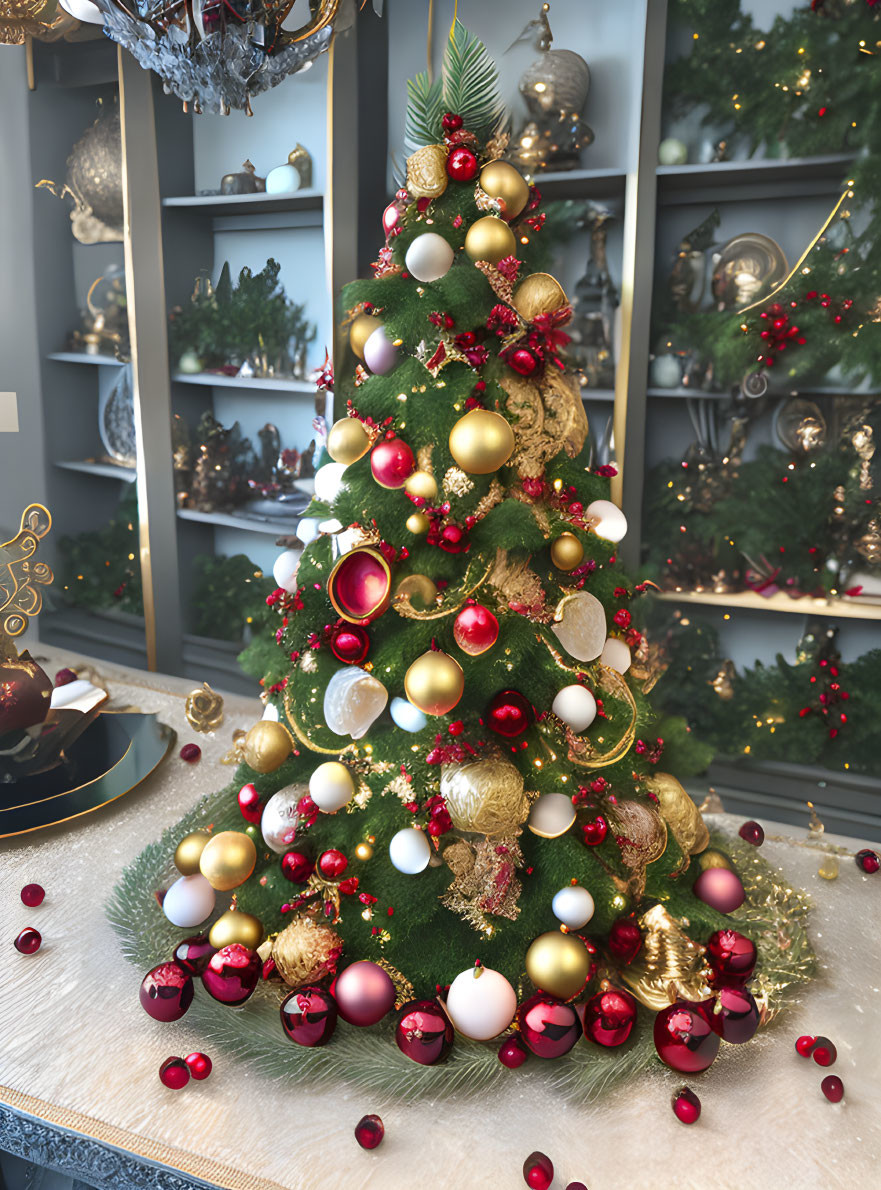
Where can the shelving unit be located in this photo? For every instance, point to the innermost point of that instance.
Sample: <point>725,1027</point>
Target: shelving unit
<point>94,467</point>
<point>271,526</point>
<point>857,608</point>
<point>254,383</point>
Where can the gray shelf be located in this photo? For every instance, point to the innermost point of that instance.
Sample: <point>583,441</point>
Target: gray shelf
<point>114,636</point>
<point>736,181</point>
<point>82,357</point>
<point>581,183</point>
<point>271,384</point>
<point>105,470</point>
<point>273,527</point>
<point>245,204</point>
<point>774,394</point>
<point>598,394</point>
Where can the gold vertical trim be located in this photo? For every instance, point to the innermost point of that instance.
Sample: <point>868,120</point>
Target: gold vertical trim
<point>29,62</point>
<point>336,337</point>
<point>622,365</point>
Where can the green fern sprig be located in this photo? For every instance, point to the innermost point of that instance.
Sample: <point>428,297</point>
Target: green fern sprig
<point>425,110</point>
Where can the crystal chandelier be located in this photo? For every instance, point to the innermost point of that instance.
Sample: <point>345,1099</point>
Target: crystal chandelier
<point>42,19</point>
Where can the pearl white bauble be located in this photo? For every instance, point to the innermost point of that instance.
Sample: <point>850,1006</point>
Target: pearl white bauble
<point>189,363</point>
<point>576,706</point>
<point>481,1003</point>
<point>189,901</point>
<point>666,371</point>
<point>551,815</point>
<point>284,179</point>
<point>308,529</point>
<point>380,353</point>
<point>573,906</point>
<point>410,851</point>
<point>672,152</point>
<point>406,716</point>
<point>353,699</point>
<point>616,655</point>
<point>331,786</point>
<point>607,520</point>
<point>329,482</point>
<point>284,570</point>
<point>280,819</point>
<point>429,257</point>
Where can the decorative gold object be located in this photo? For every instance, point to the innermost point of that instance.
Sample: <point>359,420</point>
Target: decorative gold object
<point>362,327</point>
<point>723,682</point>
<point>244,182</point>
<point>266,746</point>
<point>20,577</point>
<point>670,965</point>
<point>746,269</point>
<point>485,883</point>
<point>490,239</point>
<point>305,951</point>
<point>801,426</point>
<point>558,963</point>
<point>236,926</point>
<point>680,813</point>
<point>507,185</point>
<point>94,178</point>
<point>539,293</point>
<point>427,171</point>
<point>549,414</point>
<point>485,796</point>
<point>418,589</point>
<point>360,585</point>
<point>188,853</point>
<point>644,835</point>
<point>204,709</point>
<point>228,859</point>
<point>44,20</point>
<point>481,441</point>
<point>567,552</point>
<point>301,160</point>
<point>580,625</point>
<point>828,868</point>
<point>348,440</point>
<point>434,682</point>
<point>421,484</point>
<point>714,858</point>
<point>418,523</point>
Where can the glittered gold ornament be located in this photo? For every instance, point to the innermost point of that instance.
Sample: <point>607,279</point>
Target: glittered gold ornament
<point>481,441</point>
<point>418,523</point>
<point>189,852</point>
<point>427,171</point>
<point>490,239</point>
<point>539,293</point>
<point>434,683</point>
<point>363,326</point>
<point>714,858</point>
<point>228,860</point>
<point>306,951</point>
<point>422,484</point>
<point>235,926</point>
<point>485,796</point>
<point>204,708</point>
<point>347,440</point>
<point>668,961</point>
<point>266,746</point>
<point>418,588</point>
<point>680,813</point>
<point>567,552</point>
<point>558,963</point>
<point>500,180</point>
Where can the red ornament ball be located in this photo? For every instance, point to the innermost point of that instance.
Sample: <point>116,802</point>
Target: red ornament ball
<point>364,993</point>
<point>369,1132</point>
<point>332,864</point>
<point>65,676</point>
<point>824,1052</point>
<point>522,361</point>
<point>538,1171</point>
<point>174,1073</point>
<point>453,539</point>
<point>625,940</point>
<point>731,955</point>
<point>609,1017</point>
<point>833,1088</point>
<point>232,974</point>
<point>720,888</point>
<point>548,1027</point>
<point>199,1066</point>
<point>423,1032</point>
<point>249,804</point>
<point>595,831</point>
<point>461,164</point>
<point>867,861</point>
<point>191,753</point>
<point>512,1053</point>
<point>28,941</point>
<point>349,643</point>
<point>804,1045</point>
<point>392,463</point>
<point>166,992</point>
<point>686,1106</point>
<point>735,1015</point>
<point>509,714</point>
<point>32,895</point>
<point>684,1037</point>
<point>297,867</point>
<point>309,1016</point>
<point>194,954</point>
<point>451,122</point>
<point>751,832</point>
<point>475,629</point>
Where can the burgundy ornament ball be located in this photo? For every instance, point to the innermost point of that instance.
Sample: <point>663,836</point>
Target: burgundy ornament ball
<point>332,863</point>
<point>684,1037</point>
<point>249,804</point>
<point>548,1027</point>
<point>731,955</point>
<point>349,643</point>
<point>423,1032</point>
<point>686,1106</point>
<point>174,1073</point>
<point>609,1017</point>
<point>475,629</point>
<point>804,1045</point>
<point>867,861</point>
<point>297,867</point>
<point>392,463</point>
<point>364,993</point>
<point>824,1052</point>
<point>720,888</point>
<point>199,1066</point>
<point>309,1016</point>
<point>833,1088</point>
<point>32,895</point>
<point>28,941</point>
<point>194,954</point>
<point>625,940</point>
<point>751,832</point>
<point>512,1053</point>
<point>232,974</point>
<point>522,361</point>
<point>369,1132</point>
<point>509,714</point>
<point>735,1015</point>
<point>595,831</point>
<point>538,1171</point>
<point>576,1186</point>
<point>166,992</point>
<point>461,165</point>
<point>191,753</point>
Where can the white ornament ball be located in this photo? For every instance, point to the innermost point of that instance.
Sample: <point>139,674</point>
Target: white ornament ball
<point>573,906</point>
<point>551,815</point>
<point>672,152</point>
<point>481,1003</point>
<point>331,786</point>
<point>329,482</point>
<point>406,716</point>
<point>353,699</point>
<point>607,520</point>
<point>380,353</point>
<point>576,706</point>
<point>308,529</point>
<point>284,570</point>
<point>409,851</point>
<point>284,179</point>
<point>429,257</point>
<point>189,363</point>
<point>279,821</point>
<point>616,655</point>
<point>666,371</point>
<point>189,901</point>
<point>270,713</point>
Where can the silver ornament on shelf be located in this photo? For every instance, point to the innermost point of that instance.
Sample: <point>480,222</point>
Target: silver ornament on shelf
<point>280,818</point>
<point>353,699</point>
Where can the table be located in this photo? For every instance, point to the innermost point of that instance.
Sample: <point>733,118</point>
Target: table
<point>78,1061</point>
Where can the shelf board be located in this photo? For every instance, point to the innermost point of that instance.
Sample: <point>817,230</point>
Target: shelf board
<point>848,609</point>
<point>83,357</point>
<point>105,470</point>
<point>246,204</point>
<point>796,391</point>
<point>598,394</point>
<point>728,181</point>
<point>580,183</point>
<point>271,384</point>
<point>273,527</point>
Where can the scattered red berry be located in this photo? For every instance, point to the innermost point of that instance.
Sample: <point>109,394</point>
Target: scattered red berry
<point>332,864</point>
<point>686,1106</point>
<point>538,1171</point>
<point>199,1065</point>
<point>29,941</point>
<point>32,895</point>
<point>65,676</point>
<point>369,1132</point>
<point>512,1053</point>
<point>751,832</point>
<point>824,1052</point>
<point>804,1045</point>
<point>174,1073</point>
<point>833,1088</point>
<point>868,861</point>
<point>191,753</point>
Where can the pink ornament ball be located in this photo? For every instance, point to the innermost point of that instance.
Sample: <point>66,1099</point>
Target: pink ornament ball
<point>380,353</point>
<point>364,993</point>
<point>686,1106</point>
<point>392,463</point>
<point>32,895</point>
<point>684,1037</point>
<point>369,1132</point>
<point>174,1073</point>
<point>538,1171</point>
<point>199,1066</point>
<point>720,888</point>
<point>833,1088</point>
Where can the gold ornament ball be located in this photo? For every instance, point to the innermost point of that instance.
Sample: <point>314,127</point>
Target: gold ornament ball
<point>481,441</point>
<point>228,860</point>
<point>421,483</point>
<point>490,239</point>
<point>189,852</point>
<point>235,926</point>
<point>266,746</point>
<point>427,171</point>
<point>434,683</point>
<point>539,293</point>
<point>714,858</point>
<point>418,588</point>
<point>485,796</point>
<point>500,180</point>
<point>348,440</point>
<point>567,552</point>
<point>364,851</point>
<point>363,326</point>
<point>306,951</point>
<point>558,963</point>
<point>418,523</point>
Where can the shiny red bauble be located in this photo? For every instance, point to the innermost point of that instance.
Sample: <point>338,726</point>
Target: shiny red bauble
<point>191,753</point>
<point>538,1171</point>
<point>867,861</point>
<point>364,993</point>
<point>332,864</point>
<point>392,463</point>
<point>804,1045</point>
<point>824,1052</point>
<point>309,1016</point>
<point>423,1032</point>
<point>249,804</point>
<point>522,361</point>
<point>349,643</point>
<point>752,833</point>
<point>194,954</point>
<point>199,1066</point>
<point>735,1015</point>
<point>609,1017</point>
<point>369,1132</point>
<point>28,941</point>
<point>297,867</point>
<point>595,831</point>
<point>508,714</point>
<point>475,629</point>
<point>32,895</point>
<point>461,165</point>
<point>833,1088</point>
<point>391,217</point>
<point>731,955</point>
<point>232,974</point>
<point>686,1106</point>
<point>512,1053</point>
<point>166,992</point>
<point>625,941</point>
<point>548,1027</point>
<point>174,1073</point>
<point>721,889</point>
<point>684,1037</point>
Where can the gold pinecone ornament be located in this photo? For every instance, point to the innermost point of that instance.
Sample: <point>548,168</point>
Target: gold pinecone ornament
<point>305,951</point>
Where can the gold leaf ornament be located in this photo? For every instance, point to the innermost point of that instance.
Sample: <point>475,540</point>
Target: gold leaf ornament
<point>485,796</point>
<point>670,965</point>
<point>306,951</point>
<point>681,815</point>
<point>427,171</point>
<point>204,708</point>
<point>549,416</point>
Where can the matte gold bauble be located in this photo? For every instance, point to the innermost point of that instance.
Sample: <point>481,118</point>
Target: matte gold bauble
<point>481,441</point>
<point>418,523</point>
<point>558,963</point>
<point>500,180</point>
<point>363,326</point>
<point>422,484</point>
<point>419,589</point>
<point>567,552</point>
<point>539,293</point>
<point>485,796</point>
<point>266,746</point>
<point>348,440</point>
<point>427,171</point>
<point>235,926</point>
<point>490,239</point>
<point>714,858</point>
<point>228,860</point>
<point>189,852</point>
<point>434,683</point>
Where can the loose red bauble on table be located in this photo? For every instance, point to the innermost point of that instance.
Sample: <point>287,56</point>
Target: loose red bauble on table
<point>804,1045</point>
<point>833,1088</point>
<point>166,992</point>
<point>32,895</point>
<point>548,1027</point>
<point>686,1106</point>
<point>867,861</point>
<point>824,1052</point>
<point>174,1073</point>
<point>28,941</point>
<point>538,1171</point>
<point>199,1066</point>
<point>512,1053</point>
<point>609,1017</point>
<point>194,954</point>
<point>509,714</point>
<point>332,863</point>
<point>731,955</point>
<point>475,629</point>
<point>684,1037</point>
<point>369,1132</point>
<point>364,993</point>
<point>423,1032</point>
<point>191,753</point>
<point>349,643</point>
<point>752,833</point>
<point>297,867</point>
<point>309,1016</point>
<point>250,804</point>
<point>392,463</point>
<point>735,1015</point>
<point>232,974</point>
<point>461,164</point>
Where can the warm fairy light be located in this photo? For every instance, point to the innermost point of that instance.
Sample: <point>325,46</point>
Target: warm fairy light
<point>726,616</point>
<point>131,557</point>
<point>402,396</point>
<point>760,45</point>
<point>695,36</point>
